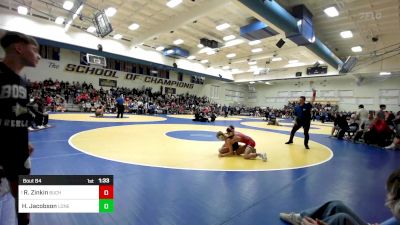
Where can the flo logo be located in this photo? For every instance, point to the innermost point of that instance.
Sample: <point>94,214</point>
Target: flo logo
<point>371,15</point>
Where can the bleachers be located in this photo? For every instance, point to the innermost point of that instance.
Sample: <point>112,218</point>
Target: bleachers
<point>70,107</point>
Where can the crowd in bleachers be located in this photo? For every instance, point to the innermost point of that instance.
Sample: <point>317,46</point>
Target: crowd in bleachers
<point>380,128</point>
<point>55,95</point>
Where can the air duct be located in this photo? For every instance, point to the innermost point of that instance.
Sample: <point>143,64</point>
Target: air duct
<point>278,16</point>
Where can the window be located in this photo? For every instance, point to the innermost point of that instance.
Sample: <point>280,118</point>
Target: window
<point>49,52</point>
<point>180,76</point>
<point>214,92</point>
<point>197,80</point>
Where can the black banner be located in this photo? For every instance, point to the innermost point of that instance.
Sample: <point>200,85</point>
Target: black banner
<point>107,83</point>
<point>65,179</point>
<point>170,90</point>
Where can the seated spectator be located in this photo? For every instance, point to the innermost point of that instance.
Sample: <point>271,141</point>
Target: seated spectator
<point>389,120</point>
<point>201,117</point>
<point>379,133</point>
<point>337,213</point>
<point>341,125</point>
<point>213,116</point>
<point>40,117</point>
<point>272,120</point>
<point>363,128</point>
<point>151,108</point>
<point>353,125</point>
<point>396,141</point>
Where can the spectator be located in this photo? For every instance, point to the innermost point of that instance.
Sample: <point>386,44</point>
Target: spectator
<point>381,112</point>
<point>379,133</point>
<point>341,125</point>
<point>363,128</point>
<point>20,51</point>
<point>362,114</point>
<point>337,213</point>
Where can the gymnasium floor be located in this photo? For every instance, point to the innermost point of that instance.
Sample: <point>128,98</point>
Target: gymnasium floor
<point>166,170</point>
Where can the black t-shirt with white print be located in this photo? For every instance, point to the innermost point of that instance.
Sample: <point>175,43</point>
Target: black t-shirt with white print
<point>13,121</point>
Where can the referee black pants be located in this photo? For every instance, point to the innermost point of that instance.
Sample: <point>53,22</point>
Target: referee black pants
<point>306,127</point>
<point>120,111</point>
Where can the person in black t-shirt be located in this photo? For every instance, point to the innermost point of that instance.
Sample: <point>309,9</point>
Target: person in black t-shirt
<point>20,51</point>
<point>302,114</point>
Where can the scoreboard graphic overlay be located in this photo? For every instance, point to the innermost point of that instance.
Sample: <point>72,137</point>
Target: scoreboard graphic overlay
<point>66,194</point>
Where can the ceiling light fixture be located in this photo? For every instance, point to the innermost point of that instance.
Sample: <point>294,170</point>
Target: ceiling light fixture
<point>253,67</point>
<point>229,37</point>
<point>68,5</point>
<point>233,43</point>
<point>205,50</point>
<point>178,42</point>
<point>91,29</point>
<point>255,42</point>
<point>133,26</point>
<point>346,34</point>
<point>59,20</point>
<point>235,70</point>
<point>78,11</point>
<point>68,25</point>
<point>117,36</point>
<point>331,11</point>
<point>256,50</point>
<point>111,11</point>
<point>173,3</point>
<point>356,49</point>
<point>222,26</point>
<point>22,10</point>
<point>212,52</point>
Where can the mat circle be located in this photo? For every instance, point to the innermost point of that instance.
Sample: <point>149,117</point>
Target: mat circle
<point>193,135</point>
<point>89,117</point>
<point>149,145</point>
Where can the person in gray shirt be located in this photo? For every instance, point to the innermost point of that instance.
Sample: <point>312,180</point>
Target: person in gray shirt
<point>362,114</point>
<point>381,112</point>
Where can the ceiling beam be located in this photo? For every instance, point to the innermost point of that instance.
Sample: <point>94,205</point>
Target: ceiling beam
<point>180,19</point>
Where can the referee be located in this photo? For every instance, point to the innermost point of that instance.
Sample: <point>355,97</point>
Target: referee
<point>120,106</point>
<point>302,113</point>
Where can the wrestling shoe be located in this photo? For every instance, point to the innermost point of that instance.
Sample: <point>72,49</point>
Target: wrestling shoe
<point>292,218</point>
<point>264,156</point>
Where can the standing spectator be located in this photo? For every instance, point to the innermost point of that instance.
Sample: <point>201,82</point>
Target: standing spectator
<point>364,126</point>
<point>362,114</point>
<point>20,51</point>
<point>381,112</point>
